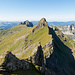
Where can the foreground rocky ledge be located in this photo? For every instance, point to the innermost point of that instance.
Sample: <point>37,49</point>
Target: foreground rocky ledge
<point>12,63</point>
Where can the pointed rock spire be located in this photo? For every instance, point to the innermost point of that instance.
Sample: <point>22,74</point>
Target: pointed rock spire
<point>42,23</point>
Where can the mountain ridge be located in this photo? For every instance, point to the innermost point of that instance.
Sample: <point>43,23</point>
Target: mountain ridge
<point>55,23</point>
<point>56,47</point>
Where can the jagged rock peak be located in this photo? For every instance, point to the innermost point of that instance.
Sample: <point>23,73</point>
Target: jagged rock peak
<point>38,57</point>
<point>27,23</point>
<point>43,20</point>
<point>42,23</point>
<point>12,63</point>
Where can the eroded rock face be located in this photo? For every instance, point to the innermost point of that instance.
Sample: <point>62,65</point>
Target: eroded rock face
<point>42,23</point>
<point>49,48</point>
<point>12,63</point>
<point>27,23</point>
<point>39,60</point>
<point>38,57</point>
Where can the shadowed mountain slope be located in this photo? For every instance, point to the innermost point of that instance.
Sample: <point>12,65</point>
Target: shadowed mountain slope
<point>61,59</point>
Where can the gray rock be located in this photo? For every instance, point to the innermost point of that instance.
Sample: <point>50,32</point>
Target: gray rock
<point>38,57</point>
<point>12,63</point>
<point>42,23</point>
<point>11,66</point>
<point>27,23</point>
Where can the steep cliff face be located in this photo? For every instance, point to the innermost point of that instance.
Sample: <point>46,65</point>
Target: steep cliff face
<point>38,57</point>
<point>39,61</point>
<point>61,59</point>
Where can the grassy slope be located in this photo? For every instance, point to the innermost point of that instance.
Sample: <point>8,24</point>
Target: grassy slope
<point>5,33</point>
<point>16,40</point>
<point>8,42</point>
<point>40,35</point>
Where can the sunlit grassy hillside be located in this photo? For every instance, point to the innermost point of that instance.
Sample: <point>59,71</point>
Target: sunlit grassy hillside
<point>14,42</point>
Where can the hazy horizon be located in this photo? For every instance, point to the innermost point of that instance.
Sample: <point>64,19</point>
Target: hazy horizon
<point>32,21</point>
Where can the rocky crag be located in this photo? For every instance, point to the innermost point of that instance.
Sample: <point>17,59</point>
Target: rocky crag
<point>27,23</point>
<point>41,24</point>
<point>12,63</point>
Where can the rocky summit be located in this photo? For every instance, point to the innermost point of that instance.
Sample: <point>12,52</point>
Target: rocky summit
<point>27,23</point>
<point>42,23</point>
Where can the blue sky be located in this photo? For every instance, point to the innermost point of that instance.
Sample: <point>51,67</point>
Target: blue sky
<point>33,10</point>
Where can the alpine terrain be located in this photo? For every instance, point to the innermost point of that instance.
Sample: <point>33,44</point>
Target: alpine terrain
<point>41,49</point>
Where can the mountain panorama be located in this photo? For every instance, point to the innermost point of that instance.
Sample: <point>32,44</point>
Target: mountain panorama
<point>28,49</point>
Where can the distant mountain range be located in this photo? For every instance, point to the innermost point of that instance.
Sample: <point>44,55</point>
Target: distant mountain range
<point>57,23</point>
<point>68,30</point>
<point>6,25</point>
